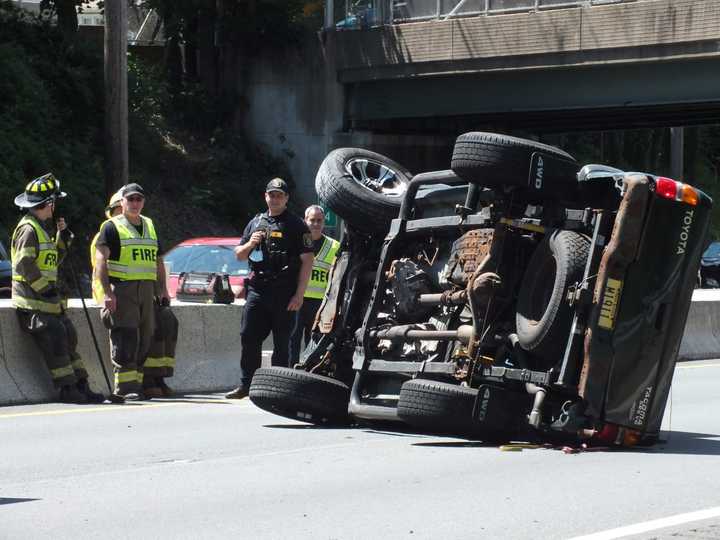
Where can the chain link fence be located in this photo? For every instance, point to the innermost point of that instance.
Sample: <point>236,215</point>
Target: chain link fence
<point>352,14</point>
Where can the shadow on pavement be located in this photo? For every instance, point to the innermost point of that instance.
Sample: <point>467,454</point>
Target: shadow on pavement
<point>457,444</point>
<point>8,500</point>
<point>684,442</point>
<point>671,442</point>
<point>189,399</point>
<point>303,426</point>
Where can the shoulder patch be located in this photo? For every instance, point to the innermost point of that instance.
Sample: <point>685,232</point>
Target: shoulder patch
<point>307,240</point>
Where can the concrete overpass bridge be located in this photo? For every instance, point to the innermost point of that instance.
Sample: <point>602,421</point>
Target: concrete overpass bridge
<point>534,64</point>
<point>405,77</point>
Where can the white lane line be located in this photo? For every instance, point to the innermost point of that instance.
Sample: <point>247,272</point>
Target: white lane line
<point>653,525</point>
<point>696,366</point>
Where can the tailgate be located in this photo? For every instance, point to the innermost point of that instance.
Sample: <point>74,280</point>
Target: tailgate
<point>642,298</point>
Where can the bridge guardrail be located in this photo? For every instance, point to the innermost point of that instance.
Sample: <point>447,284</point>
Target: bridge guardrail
<point>353,14</point>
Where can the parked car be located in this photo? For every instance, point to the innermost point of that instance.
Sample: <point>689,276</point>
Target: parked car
<point>207,254</point>
<point>710,267</point>
<point>5,272</point>
<point>515,296</point>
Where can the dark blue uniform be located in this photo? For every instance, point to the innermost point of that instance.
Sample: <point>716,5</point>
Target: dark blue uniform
<point>274,282</point>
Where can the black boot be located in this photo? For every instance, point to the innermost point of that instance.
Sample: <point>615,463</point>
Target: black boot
<point>162,385</point>
<point>92,397</point>
<point>70,394</point>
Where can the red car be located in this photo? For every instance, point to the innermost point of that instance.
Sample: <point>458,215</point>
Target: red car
<point>207,254</point>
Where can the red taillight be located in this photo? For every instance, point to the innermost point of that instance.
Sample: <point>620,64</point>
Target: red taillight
<point>676,191</point>
<point>608,434</point>
<point>666,188</point>
<point>615,435</point>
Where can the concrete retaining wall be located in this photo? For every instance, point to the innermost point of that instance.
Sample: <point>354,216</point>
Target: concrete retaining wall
<point>208,351</point>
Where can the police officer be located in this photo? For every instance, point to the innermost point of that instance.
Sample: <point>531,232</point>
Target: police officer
<point>325,249</point>
<point>278,246</point>
<point>36,251</point>
<point>128,266</point>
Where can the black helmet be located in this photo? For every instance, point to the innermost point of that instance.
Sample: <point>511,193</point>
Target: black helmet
<point>43,189</point>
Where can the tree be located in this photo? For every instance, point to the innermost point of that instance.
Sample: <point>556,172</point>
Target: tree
<point>217,36</point>
<point>66,12</point>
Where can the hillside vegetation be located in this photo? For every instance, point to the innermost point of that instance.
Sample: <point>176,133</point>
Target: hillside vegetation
<point>201,179</point>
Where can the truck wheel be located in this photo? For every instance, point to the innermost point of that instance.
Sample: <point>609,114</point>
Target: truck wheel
<point>437,406</point>
<point>494,160</point>
<point>544,315</point>
<point>362,187</point>
<point>300,395</point>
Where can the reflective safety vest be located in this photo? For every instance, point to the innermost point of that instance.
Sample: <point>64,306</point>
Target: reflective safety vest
<point>46,260</point>
<point>138,254</point>
<point>321,268</point>
<point>97,289</point>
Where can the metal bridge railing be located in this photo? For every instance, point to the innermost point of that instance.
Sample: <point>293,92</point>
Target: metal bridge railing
<point>353,14</point>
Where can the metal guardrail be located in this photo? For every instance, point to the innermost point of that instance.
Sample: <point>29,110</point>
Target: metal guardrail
<point>354,14</point>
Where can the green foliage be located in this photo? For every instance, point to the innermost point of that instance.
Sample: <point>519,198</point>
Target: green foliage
<point>649,150</point>
<point>210,180</point>
<point>50,109</point>
<point>237,171</point>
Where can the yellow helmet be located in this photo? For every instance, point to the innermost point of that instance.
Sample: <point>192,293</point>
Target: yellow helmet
<point>114,203</point>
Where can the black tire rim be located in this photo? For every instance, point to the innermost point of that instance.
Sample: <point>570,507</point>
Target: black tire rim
<point>377,177</point>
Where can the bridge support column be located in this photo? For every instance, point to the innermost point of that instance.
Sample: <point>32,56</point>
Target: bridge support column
<point>677,146</point>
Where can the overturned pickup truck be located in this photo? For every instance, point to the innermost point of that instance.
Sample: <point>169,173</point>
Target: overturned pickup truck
<point>515,296</point>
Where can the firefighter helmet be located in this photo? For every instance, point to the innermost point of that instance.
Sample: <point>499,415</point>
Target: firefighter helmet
<point>41,190</point>
<point>114,203</point>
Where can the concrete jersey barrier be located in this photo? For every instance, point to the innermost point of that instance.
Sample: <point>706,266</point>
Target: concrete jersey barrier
<point>207,355</point>
<point>701,340</point>
<point>208,350</point>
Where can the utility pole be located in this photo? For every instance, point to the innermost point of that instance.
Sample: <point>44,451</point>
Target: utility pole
<point>116,92</point>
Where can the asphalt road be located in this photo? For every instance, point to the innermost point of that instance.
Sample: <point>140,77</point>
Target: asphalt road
<point>202,467</point>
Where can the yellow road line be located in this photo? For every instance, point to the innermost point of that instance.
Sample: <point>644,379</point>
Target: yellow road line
<point>696,366</point>
<point>104,408</point>
<point>127,406</point>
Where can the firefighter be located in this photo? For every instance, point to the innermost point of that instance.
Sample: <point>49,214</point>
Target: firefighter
<point>160,361</point>
<point>278,246</point>
<point>130,269</point>
<point>325,249</point>
<point>113,209</point>
<point>36,252</point>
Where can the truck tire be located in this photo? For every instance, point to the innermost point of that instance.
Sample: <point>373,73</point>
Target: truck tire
<point>300,395</point>
<point>494,160</point>
<point>362,187</point>
<point>544,316</point>
<point>437,407</point>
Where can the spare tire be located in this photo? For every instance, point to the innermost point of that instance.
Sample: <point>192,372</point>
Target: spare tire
<point>300,395</point>
<point>494,160</point>
<point>362,187</point>
<point>544,315</point>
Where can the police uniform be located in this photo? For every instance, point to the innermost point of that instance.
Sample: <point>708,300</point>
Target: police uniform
<point>36,252</point>
<point>273,283</point>
<point>132,271</point>
<point>325,249</point>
